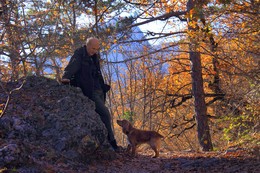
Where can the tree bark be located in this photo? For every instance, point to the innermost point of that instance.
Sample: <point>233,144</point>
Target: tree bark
<point>197,87</point>
<point>199,102</point>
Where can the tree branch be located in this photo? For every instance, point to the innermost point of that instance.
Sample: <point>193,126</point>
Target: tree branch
<point>147,54</point>
<point>9,96</point>
<point>162,17</point>
<point>163,35</point>
<point>187,128</point>
<point>189,96</point>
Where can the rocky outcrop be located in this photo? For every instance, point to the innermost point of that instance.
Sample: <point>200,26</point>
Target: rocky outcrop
<point>50,125</point>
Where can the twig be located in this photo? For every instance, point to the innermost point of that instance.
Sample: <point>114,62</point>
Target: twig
<point>9,96</point>
<point>187,128</point>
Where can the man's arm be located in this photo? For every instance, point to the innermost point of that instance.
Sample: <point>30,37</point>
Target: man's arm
<point>65,80</point>
<point>73,67</point>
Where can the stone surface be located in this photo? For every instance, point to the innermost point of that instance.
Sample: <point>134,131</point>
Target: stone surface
<point>46,122</point>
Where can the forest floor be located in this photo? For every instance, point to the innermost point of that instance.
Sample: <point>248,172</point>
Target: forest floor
<point>232,160</point>
<point>241,160</point>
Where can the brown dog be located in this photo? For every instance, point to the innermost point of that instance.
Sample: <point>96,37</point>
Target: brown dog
<point>137,137</point>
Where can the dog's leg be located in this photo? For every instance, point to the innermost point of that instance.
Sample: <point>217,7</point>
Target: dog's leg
<point>129,145</point>
<point>134,150</point>
<point>155,145</point>
<point>156,151</point>
<point>128,148</point>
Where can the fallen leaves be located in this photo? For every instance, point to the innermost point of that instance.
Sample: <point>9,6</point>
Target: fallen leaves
<point>235,160</point>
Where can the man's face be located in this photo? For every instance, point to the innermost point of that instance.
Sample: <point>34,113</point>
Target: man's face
<point>92,47</point>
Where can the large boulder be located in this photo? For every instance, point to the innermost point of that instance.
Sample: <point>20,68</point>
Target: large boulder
<point>49,125</point>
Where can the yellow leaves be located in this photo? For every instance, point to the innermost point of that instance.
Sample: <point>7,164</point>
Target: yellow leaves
<point>168,10</point>
<point>107,46</point>
<point>58,51</point>
<point>55,13</point>
<point>3,44</point>
<point>83,37</point>
<point>64,61</point>
<point>155,12</point>
<point>3,170</point>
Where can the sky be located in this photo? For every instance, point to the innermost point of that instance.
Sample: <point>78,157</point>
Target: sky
<point>162,27</point>
<point>155,27</point>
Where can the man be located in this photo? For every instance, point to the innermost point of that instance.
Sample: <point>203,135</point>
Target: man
<point>84,71</point>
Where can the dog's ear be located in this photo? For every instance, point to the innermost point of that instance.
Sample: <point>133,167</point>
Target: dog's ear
<point>119,122</point>
<point>125,131</point>
<point>125,126</point>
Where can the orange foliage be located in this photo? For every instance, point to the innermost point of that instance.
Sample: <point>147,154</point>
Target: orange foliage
<point>151,85</point>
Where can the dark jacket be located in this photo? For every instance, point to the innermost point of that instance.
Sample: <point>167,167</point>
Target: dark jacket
<point>79,72</point>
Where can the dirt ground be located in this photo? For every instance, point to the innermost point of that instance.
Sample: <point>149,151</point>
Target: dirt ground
<point>233,160</point>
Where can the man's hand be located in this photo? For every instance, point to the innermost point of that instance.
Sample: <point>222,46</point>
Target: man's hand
<point>65,80</point>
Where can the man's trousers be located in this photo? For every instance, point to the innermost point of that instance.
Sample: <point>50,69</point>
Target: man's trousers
<point>102,110</point>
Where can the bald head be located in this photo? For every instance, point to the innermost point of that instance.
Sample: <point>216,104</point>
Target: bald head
<point>92,45</point>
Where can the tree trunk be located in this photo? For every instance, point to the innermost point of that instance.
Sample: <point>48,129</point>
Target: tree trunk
<point>199,102</point>
<point>197,84</point>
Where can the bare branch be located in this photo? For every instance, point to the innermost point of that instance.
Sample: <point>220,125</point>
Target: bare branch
<point>163,35</point>
<point>146,54</point>
<point>138,3</point>
<point>187,128</point>
<point>162,17</point>
<point>9,96</point>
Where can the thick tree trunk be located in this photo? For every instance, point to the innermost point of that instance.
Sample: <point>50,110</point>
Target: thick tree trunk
<point>199,102</point>
<point>197,82</point>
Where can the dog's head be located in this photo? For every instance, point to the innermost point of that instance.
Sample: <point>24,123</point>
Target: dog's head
<point>126,126</point>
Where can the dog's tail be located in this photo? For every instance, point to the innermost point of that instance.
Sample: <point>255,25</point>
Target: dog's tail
<point>159,135</point>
